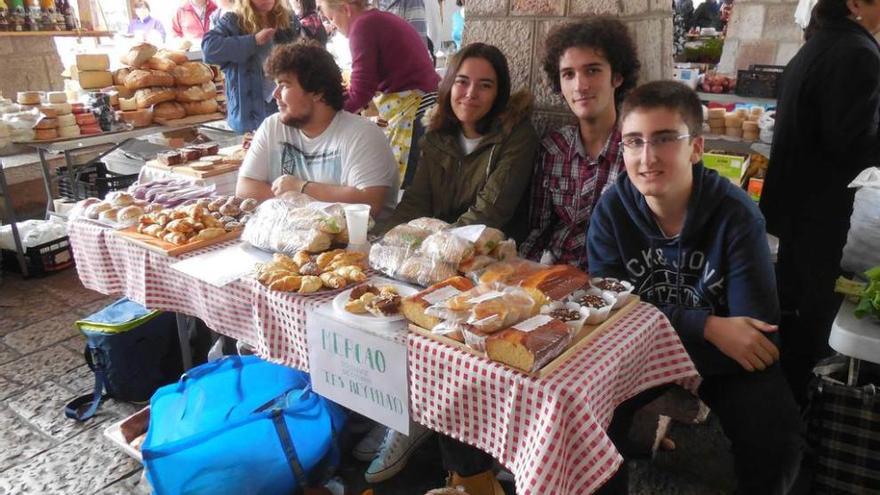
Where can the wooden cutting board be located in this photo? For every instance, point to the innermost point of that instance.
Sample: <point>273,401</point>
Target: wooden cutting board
<point>223,168</point>
<point>191,120</point>
<point>587,334</point>
<point>159,246</point>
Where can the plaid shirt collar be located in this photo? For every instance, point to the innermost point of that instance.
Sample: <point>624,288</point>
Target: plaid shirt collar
<point>609,152</point>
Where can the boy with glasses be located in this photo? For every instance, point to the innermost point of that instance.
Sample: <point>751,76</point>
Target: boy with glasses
<point>695,246</point>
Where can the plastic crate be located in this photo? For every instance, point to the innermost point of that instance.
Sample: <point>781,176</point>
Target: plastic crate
<point>41,260</point>
<point>760,81</point>
<point>92,181</point>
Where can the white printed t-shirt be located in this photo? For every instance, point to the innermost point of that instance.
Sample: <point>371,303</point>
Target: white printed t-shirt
<point>351,152</point>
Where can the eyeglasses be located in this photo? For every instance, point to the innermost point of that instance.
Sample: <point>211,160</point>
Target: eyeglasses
<point>661,142</point>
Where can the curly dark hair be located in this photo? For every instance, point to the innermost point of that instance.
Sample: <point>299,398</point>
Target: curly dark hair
<point>313,67</point>
<point>671,95</point>
<point>607,35</point>
<point>444,118</point>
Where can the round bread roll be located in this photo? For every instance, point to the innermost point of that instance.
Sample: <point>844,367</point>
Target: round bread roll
<point>28,97</point>
<point>201,107</point>
<point>169,110</point>
<point>174,56</point>
<point>147,78</point>
<point>192,73</point>
<point>47,123</point>
<point>121,199</point>
<point>109,215</point>
<point>45,134</point>
<point>201,92</point>
<point>129,214</point>
<point>95,210</point>
<point>56,97</point>
<point>148,97</point>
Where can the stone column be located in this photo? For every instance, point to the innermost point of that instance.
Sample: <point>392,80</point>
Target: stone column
<point>519,28</point>
<point>760,32</point>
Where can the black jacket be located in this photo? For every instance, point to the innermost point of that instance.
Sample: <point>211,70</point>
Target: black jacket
<point>827,127</point>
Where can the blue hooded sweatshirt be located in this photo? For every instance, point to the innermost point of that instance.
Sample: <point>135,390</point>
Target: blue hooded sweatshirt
<point>718,265</point>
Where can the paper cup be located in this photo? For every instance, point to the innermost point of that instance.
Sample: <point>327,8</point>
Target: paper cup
<point>357,220</point>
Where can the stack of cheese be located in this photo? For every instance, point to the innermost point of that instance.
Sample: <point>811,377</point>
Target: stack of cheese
<point>92,71</point>
<point>56,107</point>
<point>85,119</point>
<point>166,84</point>
<point>741,123</point>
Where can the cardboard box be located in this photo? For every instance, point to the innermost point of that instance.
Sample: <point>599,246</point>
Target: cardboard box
<point>729,165</point>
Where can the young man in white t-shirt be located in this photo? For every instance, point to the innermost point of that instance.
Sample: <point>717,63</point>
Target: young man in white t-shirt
<point>311,145</point>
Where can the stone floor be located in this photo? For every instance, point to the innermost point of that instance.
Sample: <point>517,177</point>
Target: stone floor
<point>42,452</point>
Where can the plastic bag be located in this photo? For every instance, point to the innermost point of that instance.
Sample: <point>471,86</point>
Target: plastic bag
<point>278,225</point>
<point>488,308</point>
<point>33,233</point>
<point>862,249</point>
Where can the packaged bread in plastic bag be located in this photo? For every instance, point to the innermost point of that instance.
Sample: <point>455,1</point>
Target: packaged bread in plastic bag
<point>278,225</point>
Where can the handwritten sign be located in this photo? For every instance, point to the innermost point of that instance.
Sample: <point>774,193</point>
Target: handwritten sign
<point>360,370</point>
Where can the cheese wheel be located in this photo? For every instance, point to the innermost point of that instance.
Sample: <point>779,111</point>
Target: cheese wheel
<point>69,131</point>
<point>86,61</point>
<point>750,126</point>
<point>48,111</point>
<point>716,113</point>
<point>734,131</point>
<point>716,130</point>
<point>60,108</point>
<point>79,108</point>
<point>85,119</point>
<point>716,122</point>
<point>47,123</point>
<point>741,113</point>
<point>56,97</point>
<point>127,104</point>
<point>733,122</point>
<point>90,129</point>
<point>757,111</point>
<point>43,134</point>
<point>28,97</point>
<point>750,136</point>
<point>66,120</point>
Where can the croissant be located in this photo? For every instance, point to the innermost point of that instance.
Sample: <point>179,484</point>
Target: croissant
<point>333,280</point>
<point>325,259</point>
<point>302,257</point>
<point>284,261</point>
<point>346,259</point>
<point>310,284</point>
<point>177,238</point>
<point>181,225</point>
<point>206,234</point>
<point>287,284</point>
<point>310,268</point>
<point>355,306</point>
<point>351,273</point>
<point>154,230</point>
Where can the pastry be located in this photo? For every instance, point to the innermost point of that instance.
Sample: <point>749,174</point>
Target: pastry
<point>529,345</point>
<point>121,199</point>
<point>385,304</point>
<point>138,54</point>
<point>148,97</point>
<point>192,73</point>
<point>129,214</point>
<point>209,149</point>
<point>351,273</point>
<point>333,280</point>
<point>168,110</point>
<point>310,284</point>
<point>324,259</point>
<point>209,233</point>
<point>147,78</point>
<point>94,211</point>
<point>201,107</point>
<point>310,268</point>
<point>302,257</point>
<point>287,284</point>
<point>176,238</point>
<point>248,204</point>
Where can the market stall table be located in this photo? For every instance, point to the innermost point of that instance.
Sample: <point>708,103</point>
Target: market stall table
<point>550,432</point>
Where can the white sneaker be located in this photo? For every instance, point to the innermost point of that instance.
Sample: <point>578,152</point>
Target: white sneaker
<point>395,452</point>
<point>368,448</point>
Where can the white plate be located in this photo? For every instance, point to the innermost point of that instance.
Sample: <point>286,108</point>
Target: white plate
<point>368,318</point>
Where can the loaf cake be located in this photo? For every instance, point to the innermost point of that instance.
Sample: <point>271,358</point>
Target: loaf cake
<point>529,345</point>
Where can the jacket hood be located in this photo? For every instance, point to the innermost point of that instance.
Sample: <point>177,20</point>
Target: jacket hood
<point>519,107</point>
<point>709,190</point>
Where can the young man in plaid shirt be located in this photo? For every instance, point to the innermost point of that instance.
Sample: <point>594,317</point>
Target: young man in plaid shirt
<point>592,64</point>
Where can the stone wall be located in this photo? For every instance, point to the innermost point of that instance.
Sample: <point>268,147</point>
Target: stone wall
<point>519,28</point>
<point>760,32</point>
<point>30,63</point>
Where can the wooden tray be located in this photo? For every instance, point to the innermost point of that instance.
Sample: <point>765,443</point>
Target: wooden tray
<point>159,246</point>
<point>191,120</point>
<point>586,335</point>
<point>223,168</point>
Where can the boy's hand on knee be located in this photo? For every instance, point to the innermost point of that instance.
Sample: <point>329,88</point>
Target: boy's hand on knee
<point>742,339</point>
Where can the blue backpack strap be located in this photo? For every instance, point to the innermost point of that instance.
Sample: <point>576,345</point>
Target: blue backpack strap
<point>289,449</point>
<point>84,407</point>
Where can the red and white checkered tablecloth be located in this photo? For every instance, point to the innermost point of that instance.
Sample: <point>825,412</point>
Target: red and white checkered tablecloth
<point>549,432</point>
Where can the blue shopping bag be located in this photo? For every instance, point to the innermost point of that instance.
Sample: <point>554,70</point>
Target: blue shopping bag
<point>239,425</point>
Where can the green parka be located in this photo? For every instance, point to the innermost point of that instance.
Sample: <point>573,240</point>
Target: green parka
<point>485,187</point>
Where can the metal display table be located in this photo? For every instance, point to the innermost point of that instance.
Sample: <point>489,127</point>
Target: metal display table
<point>859,340</point>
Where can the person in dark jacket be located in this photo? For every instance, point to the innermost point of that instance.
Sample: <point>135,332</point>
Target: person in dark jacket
<point>707,15</point>
<point>240,43</point>
<point>827,131</point>
<point>694,245</point>
<point>312,26</point>
<point>477,156</point>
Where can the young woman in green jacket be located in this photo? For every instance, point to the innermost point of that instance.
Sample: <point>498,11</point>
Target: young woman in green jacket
<point>477,157</point>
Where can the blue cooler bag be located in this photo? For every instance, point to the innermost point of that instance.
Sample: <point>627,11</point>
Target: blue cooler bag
<point>239,425</point>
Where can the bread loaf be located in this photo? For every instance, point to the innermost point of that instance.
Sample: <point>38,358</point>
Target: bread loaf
<point>137,118</point>
<point>201,107</point>
<point>556,282</point>
<point>414,306</point>
<point>529,345</point>
<point>138,54</point>
<point>169,110</point>
<point>201,92</point>
<point>157,63</point>
<point>120,74</point>
<point>148,97</point>
<point>192,73</point>
<point>145,78</point>
<point>174,56</point>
